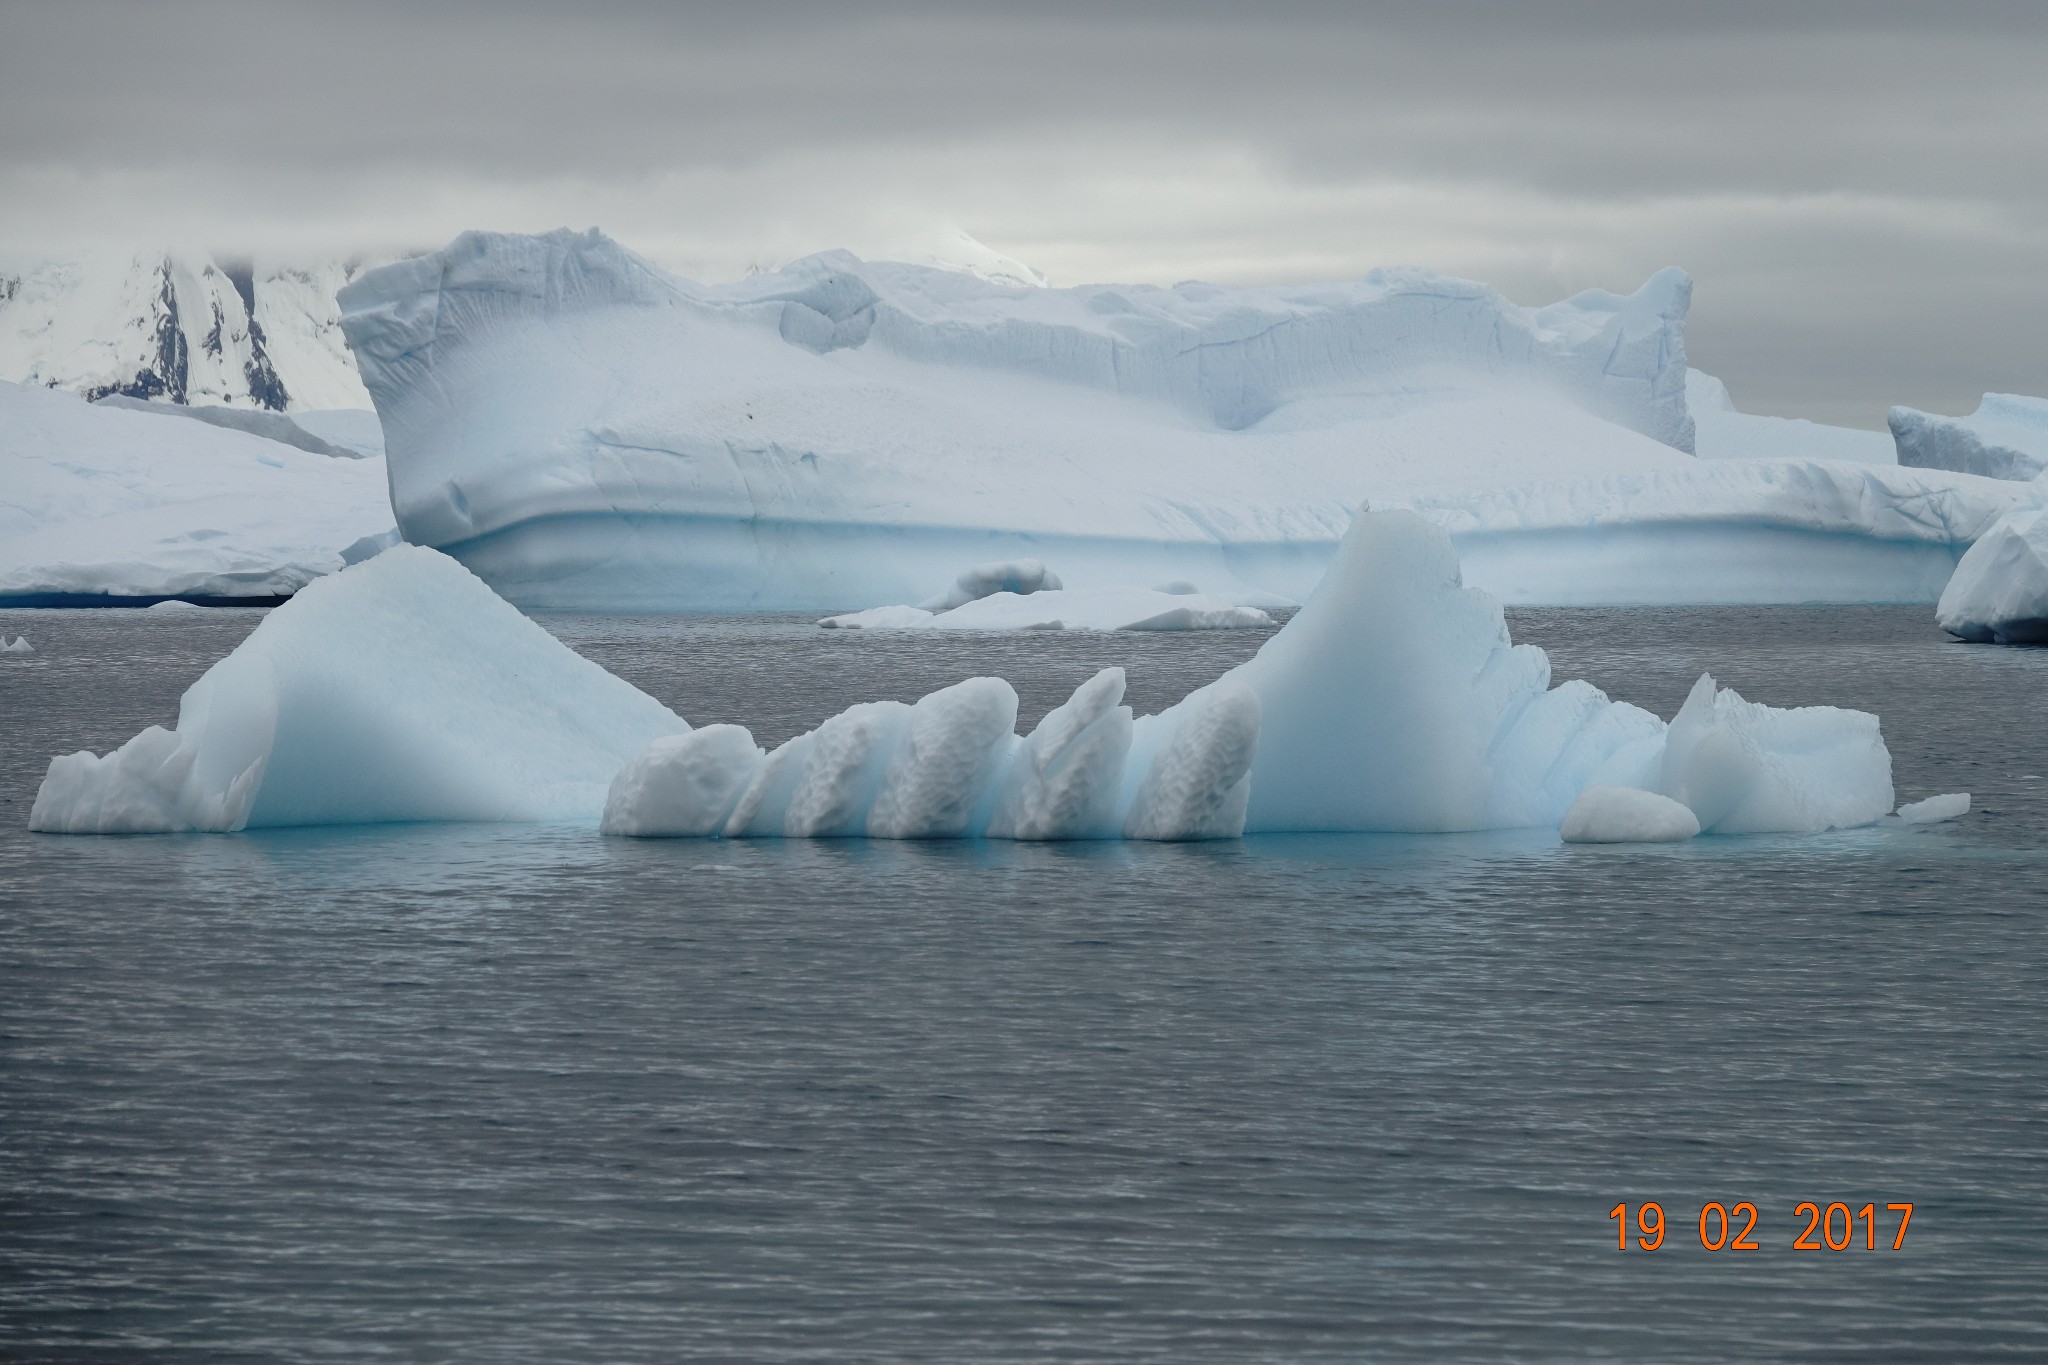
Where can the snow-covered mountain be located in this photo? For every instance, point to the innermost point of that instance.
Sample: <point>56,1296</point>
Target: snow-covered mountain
<point>181,328</point>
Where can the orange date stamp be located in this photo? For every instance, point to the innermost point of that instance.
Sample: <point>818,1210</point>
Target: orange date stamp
<point>1733,1227</point>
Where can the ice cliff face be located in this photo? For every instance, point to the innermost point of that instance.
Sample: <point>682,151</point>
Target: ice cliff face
<point>180,329</point>
<point>2005,438</point>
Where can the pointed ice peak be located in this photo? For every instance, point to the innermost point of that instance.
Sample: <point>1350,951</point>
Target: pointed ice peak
<point>952,249</point>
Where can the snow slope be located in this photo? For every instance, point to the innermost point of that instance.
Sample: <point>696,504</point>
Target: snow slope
<point>2005,438</point>
<point>95,500</point>
<point>586,431</point>
<point>180,328</point>
<point>1721,432</point>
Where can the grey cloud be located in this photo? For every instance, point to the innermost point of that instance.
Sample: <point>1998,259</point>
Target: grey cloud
<point>1861,195</point>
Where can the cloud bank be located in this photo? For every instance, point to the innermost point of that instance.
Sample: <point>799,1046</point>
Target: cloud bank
<point>1861,198</point>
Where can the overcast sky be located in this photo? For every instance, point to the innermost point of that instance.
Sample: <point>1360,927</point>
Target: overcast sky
<point>1860,190</point>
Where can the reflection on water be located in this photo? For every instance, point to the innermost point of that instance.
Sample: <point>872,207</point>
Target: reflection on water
<point>512,1094</point>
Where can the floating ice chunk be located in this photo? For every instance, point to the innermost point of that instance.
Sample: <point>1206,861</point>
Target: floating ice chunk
<point>1745,768</point>
<point>2005,438</point>
<point>1935,809</point>
<point>880,618</point>
<point>399,689</point>
<point>18,645</point>
<point>1101,609</point>
<point>683,785</point>
<point>1020,576</point>
<point>174,604</point>
<point>1626,815</point>
<point>943,767</point>
<point>1063,781</point>
<point>1999,592</point>
<point>764,805</point>
<point>1067,609</point>
<point>843,768</point>
<point>1198,785</point>
<point>1263,600</point>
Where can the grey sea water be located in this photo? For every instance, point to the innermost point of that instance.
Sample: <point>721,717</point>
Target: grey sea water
<point>515,1094</point>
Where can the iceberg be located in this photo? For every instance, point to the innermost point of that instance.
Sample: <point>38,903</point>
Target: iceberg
<point>18,645</point>
<point>1999,594</point>
<point>399,689</point>
<point>402,688</point>
<point>104,504</point>
<point>588,432</point>
<point>1394,701</point>
<point>2005,438</point>
<point>1066,609</point>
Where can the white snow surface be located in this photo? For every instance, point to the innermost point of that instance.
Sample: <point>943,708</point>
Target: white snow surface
<point>95,500</point>
<point>356,429</point>
<point>1393,701</point>
<point>1999,594</point>
<point>1627,815</point>
<point>179,327</point>
<point>1721,432</point>
<point>1066,609</point>
<point>1933,810</point>
<point>399,689</point>
<point>2005,438</point>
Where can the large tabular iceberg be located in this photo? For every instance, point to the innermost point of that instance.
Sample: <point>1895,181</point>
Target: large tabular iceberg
<point>2005,438</point>
<point>400,689</point>
<point>96,503</point>
<point>586,431</point>
<point>2000,591</point>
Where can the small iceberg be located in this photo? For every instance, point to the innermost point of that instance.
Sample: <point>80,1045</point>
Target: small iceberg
<point>1023,594</point>
<point>1935,809</point>
<point>398,689</point>
<point>1999,591</point>
<point>18,645</point>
